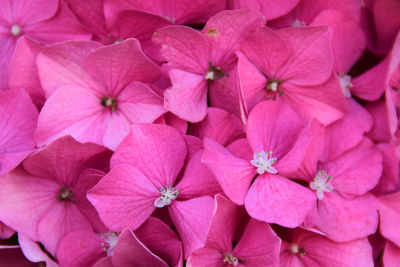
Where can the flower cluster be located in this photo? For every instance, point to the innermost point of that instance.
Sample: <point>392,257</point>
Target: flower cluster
<point>200,133</point>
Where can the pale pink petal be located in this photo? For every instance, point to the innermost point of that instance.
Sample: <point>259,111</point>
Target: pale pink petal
<point>219,125</point>
<point>80,248</point>
<point>259,245</point>
<point>184,48</point>
<point>124,198</point>
<point>23,72</point>
<point>274,199</point>
<point>60,220</point>
<point>232,173</point>
<point>225,30</point>
<point>158,151</point>
<point>33,251</point>
<point>357,171</point>
<point>161,240</point>
<point>130,251</point>
<point>115,66</point>
<point>343,220</point>
<point>389,215</point>
<point>140,104</point>
<point>63,64</point>
<point>187,98</point>
<point>24,200</point>
<point>197,180</point>
<point>17,125</point>
<point>72,110</point>
<point>192,219</point>
<point>65,160</point>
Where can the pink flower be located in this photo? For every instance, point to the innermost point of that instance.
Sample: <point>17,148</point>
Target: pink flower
<point>143,178</point>
<point>46,198</point>
<point>95,93</point>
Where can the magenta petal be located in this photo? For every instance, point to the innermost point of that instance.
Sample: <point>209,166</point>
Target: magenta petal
<point>161,240</point>
<point>391,256</point>
<point>206,257</point>
<point>65,160</point>
<point>33,251</point>
<point>17,125</point>
<point>259,245</point>
<point>274,199</point>
<point>219,125</point>
<point>197,180</point>
<point>270,8</point>
<point>130,251</point>
<point>80,248</point>
<point>232,173</point>
<point>124,198</point>
<point>58,222</point>
<point>184,48</point>
<point>140,104</point>
<point>27,12</point>
<point>273,126</point>
<point>115,66</point>
<point>343,220</point>
<point>192,219</point>
<point>158,151</point>
<point>389,214</point>
<point>187,98</point>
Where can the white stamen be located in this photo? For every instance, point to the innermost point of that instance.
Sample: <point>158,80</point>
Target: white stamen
<point>110,241</point>
<point>230,259</point>
<point>298,23</point>
<point>15,30</point>
<point>321,184</point>
<point>210,76</point>
<point>345,82</point>
<point>263,161</point>
<point>168,193</point>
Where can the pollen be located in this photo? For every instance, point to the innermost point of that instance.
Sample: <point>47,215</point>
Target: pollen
<point>230,259</point>
<point>212,32</point>
<point>213,73</point>
<point>264,161</point>
<point>109,102</point>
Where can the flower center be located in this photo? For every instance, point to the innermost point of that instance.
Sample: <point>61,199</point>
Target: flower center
<point>294,248</point>
<point>263,161</point>
<point>168,193</point>
<point>230,259</point>
<point>109,102</point>
<point>16,30</point>
<point>213,73</point>
<point>321,184</point>
<point>110,241</point>
<point>65,194</point>
<point>298,23</point>
<point>345,83</point>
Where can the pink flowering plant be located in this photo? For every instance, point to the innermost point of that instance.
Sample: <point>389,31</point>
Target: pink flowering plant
<point>216,133</point>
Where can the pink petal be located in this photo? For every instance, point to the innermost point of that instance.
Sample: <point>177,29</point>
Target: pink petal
<point>225,31</point>
<point>357,171</point>
<point>124,198</point>
<point>161,240</point>
<point>274,199</point>
<point>184,48</point>
<point>65,160</point>
<point>192,219</point>
<point>63,64</point>
<point>187,98</point>
<point>6,52</point>
<point>129,251</point>
<point>33,251</point>
<point>24,200</point>
<point>115,66</point>
<point>197,180</point>
<point>140,104</point>
<point>259,245</point>
<point>273,126</point>
<point>206,257</point>
<point>232,173</point>
<point>390,173</point>
<point>389,215</point>
<point>391,256</point>
<point>271,9</point>
<point>18,123</point>
<point>240,148</point>
<point>80,248</point>
<point>219,125</point>
<point>23,72</point>
<point>60,220</point>
<point>343,220</point>
<point>27,12</point>
<point>347,132</point>
<point>158,151</point>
